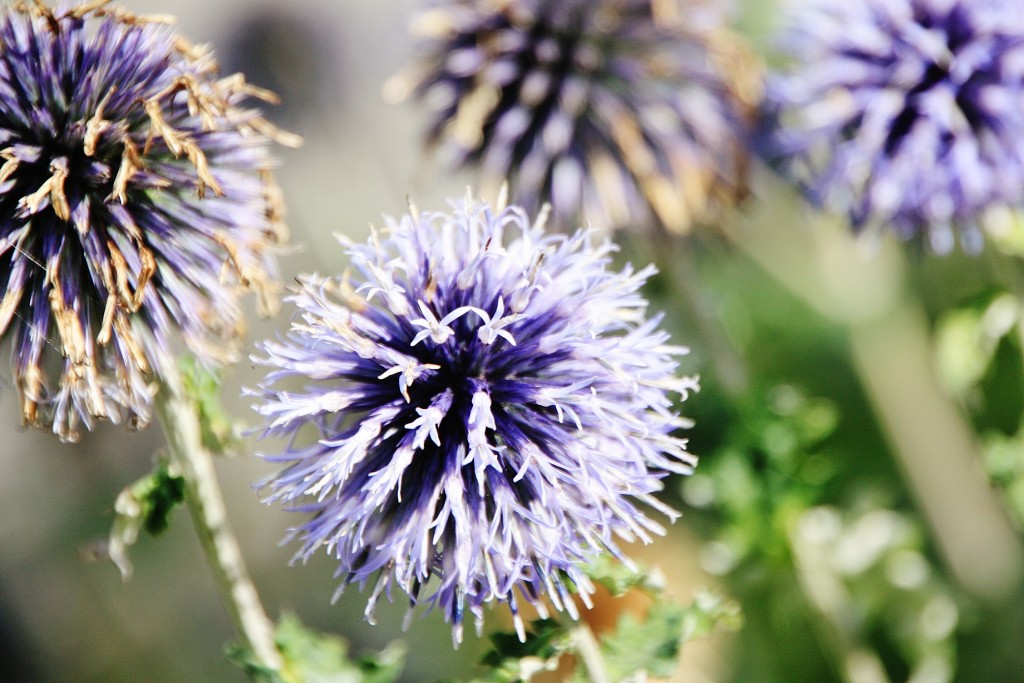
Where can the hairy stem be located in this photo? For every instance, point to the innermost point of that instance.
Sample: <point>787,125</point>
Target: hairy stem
<point>205,501</point>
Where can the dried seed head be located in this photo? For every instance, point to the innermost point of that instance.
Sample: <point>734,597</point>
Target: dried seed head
<point>137,205</point>
<point>616,112</point>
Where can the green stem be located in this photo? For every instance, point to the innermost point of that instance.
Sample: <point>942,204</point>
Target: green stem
<point>936,450</point>
<point>891,351</point>
<point>205,501</point>
<point>589,652</point>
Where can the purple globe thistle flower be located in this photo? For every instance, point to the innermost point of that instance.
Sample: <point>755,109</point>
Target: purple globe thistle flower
<point>136,203</point>
<point>610,110</point>
<point>904,113</point>
<point>491,405</point>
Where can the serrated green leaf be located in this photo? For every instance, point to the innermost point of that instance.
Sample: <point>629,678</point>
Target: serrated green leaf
<point>707,611</point>
<point>167,492</point>
<point>313,657</point>
<point>145,504</point>
<point>620,578</point>
<point>513,661</point>
<point>648,645</point>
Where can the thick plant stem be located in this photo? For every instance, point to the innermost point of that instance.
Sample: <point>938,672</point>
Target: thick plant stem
<point>890,347</point>
<point>182,429</point>
<point>937,452</point>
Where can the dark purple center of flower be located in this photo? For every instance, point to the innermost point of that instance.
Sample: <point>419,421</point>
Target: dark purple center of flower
<point>510,374</point>
<point>956,27</point>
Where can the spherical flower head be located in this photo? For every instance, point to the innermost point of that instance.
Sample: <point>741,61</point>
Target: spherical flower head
<point>908,114</point>
<point>136,204</point>
<point>492,406</point>
<point>598,107</point>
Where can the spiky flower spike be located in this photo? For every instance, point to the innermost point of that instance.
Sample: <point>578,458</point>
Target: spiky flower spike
<point>492,406</point>
<point>615,113</point>
<point>135,205</point>
<point>905,114</point>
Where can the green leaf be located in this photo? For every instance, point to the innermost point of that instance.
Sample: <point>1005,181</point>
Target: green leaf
<point>164,492</point>
<point>220,432</point>
<point>966,341</point>
<point>638,648</point>
<point>313,657</point>
<point>645,647</point>
<point>620,578</point>
<point>146,504</point>
<point>649,645</point>
<point>708,610</point>
<point>513,661</point>
<point>1004,463</point>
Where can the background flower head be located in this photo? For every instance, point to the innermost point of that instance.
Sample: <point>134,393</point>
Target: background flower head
<point>492,408</point>
<point>904,113</point>
<point>136,204</point>
<point>601,107</point>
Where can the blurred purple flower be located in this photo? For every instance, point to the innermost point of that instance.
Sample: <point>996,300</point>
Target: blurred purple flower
<point>135,205</point>
<point>614,115</point>
<point>491,405</point>
<point>907,114</point>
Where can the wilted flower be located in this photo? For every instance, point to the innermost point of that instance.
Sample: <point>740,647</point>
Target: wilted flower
<point>492,408</point>
<point>135,205</point>
<point>612,111</point>
<point>905,113</point>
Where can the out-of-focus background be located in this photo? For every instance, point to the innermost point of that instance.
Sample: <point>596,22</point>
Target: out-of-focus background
<point>804,495</point>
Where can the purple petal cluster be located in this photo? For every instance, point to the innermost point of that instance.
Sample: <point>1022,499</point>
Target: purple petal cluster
<point>598,107</point>
<point>905,114</point>
<point>136,204</point>
<point>491,407</point>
